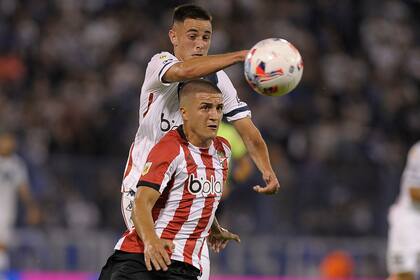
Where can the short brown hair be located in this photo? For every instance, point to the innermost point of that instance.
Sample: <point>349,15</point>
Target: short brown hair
<point>195,86</point>
<point>185,11</point>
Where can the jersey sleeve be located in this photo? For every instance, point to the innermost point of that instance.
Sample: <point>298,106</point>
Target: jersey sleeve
<point>157,67</point>
<point>161,165</point>
<point>233,108</point>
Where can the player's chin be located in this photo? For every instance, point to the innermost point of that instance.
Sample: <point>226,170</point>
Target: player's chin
<point>211,132</point>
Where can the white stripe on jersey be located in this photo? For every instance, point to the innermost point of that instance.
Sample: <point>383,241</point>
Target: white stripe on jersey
<point>218,165</point>
<point>196,209</point>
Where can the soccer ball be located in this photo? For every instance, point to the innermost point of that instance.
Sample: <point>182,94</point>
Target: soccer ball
<point>273,67</point>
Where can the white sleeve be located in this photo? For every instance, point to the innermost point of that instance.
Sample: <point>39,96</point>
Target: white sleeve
<point>233,108</point>
<point>157,67</point>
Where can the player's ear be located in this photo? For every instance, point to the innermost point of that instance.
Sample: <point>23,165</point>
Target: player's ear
<point>172,37</point>
<point>184,114</point>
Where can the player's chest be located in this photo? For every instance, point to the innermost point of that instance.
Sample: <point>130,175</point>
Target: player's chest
<point>8,175</point>
<point>205,174</point>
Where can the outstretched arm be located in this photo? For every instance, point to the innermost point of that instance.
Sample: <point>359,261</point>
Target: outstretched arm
<point>198,67</point>
<point>33,214</point>
<point>259,153</point>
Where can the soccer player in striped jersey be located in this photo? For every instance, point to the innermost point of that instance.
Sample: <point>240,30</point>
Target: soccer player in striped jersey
<point>178,194</point>
<point>190,36</point>
<point>404,223</point>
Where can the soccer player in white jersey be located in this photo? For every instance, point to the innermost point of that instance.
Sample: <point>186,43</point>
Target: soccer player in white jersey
<point>190,35</point>
<point>179,191</point>
<point>13,184</point>
<point>403,258</point>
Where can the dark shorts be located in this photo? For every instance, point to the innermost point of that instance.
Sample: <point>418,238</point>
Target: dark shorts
<point>127,266</point>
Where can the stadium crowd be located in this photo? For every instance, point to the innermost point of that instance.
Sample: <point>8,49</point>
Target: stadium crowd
<point>70,73</point>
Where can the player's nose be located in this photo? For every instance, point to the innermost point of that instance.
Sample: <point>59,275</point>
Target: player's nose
<point>213,114</point>
<point>199,44</point>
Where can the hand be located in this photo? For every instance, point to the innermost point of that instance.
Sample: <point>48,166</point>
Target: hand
<point>242,55</point>
<point>272,186</point>
<point>155,253</point>
<point>218,239</point>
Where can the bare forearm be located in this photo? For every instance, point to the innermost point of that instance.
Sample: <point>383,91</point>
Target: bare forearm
<point>415,194</point>
<point>26,196</point>
<point>143,221</point>
<point>198,67</point>
<point>254,143</point>
<point>258,151</point>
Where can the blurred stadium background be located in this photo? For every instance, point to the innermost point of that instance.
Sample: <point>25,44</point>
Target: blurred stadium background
<point>70,76</point>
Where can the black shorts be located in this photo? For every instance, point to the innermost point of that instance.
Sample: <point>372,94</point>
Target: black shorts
<point>122,265</point>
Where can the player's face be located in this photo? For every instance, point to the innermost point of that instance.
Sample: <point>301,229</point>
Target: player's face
<point>7,144</point>
<point>191,38</point>
<point>204,115</point>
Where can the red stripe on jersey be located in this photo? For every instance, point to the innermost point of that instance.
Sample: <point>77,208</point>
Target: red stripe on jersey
<point>130,161</point>
<point>132,242</point>
<point>207,210</point>
<point>148,104</point>
<point>160,157</point>
<point>161,202</point>
<point>183,211</point>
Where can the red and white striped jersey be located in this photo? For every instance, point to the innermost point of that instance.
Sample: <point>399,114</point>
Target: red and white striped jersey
<point>190,180</point>
<point>159,112</point>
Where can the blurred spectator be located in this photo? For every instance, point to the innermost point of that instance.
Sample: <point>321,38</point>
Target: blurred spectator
<point>14,185</point>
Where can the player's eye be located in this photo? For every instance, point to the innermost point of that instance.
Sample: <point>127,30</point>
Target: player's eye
<point>219,107</point>
<point>192,36</point>
<point>206,38</point>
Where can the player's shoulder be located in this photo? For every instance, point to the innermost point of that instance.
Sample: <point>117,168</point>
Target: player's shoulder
<point>171,138</point>
<point>174,138</point>
<point>168,146</point>
<point>163,57</point>
<point>414,153</point>
<point>221,141</point>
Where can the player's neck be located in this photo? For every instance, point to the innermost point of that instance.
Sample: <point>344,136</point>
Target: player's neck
<point>195,139</point>
<point>177,55</point>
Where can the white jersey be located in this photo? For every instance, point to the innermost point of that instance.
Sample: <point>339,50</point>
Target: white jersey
<point>410,178</point>
<point>159,112</point>
<point>403,252</point>
<point>13,174</point>
<point>190,180</point>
